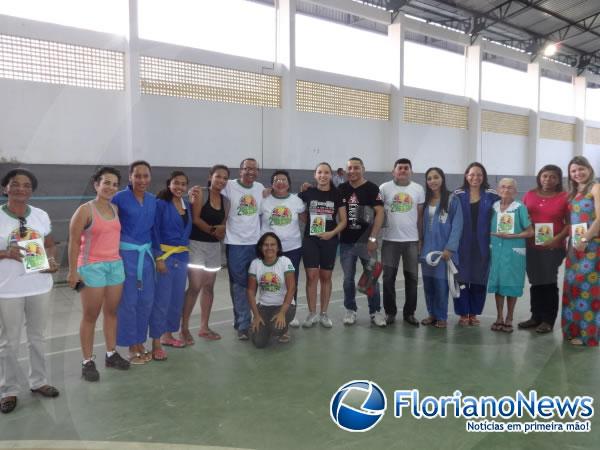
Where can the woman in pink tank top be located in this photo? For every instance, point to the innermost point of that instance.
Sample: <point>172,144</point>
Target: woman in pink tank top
<point>96,269</point>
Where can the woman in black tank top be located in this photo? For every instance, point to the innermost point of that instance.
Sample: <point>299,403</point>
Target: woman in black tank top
<point>209,211</point>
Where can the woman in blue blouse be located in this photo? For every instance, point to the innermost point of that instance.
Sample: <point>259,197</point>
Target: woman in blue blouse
<point>442,228</point>
<point>476,200</point>
<point>173,225</point>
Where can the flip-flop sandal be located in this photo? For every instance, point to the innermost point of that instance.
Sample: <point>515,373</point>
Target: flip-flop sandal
<point>463,322</point>
<point>46,391</point>
<point>172,342</point>
<point>428,321</point>
<point>159,355</point>
<point>440,324</point>
<point>497,326</point>
<point>210,335</point>
<point>136,359</point>
<point>189,340</point>
<point>284,338</point>
<point>507,328</point>
<point>147,355</point>
<point>473,321</point>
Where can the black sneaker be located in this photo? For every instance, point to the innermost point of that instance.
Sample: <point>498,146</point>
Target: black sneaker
<point>89,372</point>
<point>529,323</point>
<point>116,362</point>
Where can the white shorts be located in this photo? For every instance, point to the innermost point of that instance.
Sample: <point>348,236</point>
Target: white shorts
<point>205,255</point>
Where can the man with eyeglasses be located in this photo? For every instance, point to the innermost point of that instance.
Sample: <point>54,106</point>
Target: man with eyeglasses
<point>241,235</point>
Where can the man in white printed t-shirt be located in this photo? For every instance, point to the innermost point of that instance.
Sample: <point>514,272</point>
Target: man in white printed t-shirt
<point>403,201</point>
<point>242,232</point>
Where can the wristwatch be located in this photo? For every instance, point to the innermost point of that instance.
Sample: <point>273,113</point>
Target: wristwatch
<point>372,239</point>
<point>584,240</point>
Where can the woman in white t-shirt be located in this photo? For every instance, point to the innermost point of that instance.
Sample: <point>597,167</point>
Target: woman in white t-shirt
<point>272,275</point>
<point>24,293</point>
<point>281,213</point>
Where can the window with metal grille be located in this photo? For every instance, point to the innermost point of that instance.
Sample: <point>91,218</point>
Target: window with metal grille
<point>341,101</point>
<point>505,123</point>
<point>201,82</point>
<point>552,129</point>
<point>592,136</point>
<point>58,63</point>
<point>427,112</point>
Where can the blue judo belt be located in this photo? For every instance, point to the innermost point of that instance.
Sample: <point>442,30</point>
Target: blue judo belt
<point>143,250</point>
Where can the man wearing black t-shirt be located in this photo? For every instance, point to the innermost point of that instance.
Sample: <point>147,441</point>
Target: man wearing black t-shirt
<point>364,207</point>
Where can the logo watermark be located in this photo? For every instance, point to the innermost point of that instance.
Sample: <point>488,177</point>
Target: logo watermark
<point>360,404</point>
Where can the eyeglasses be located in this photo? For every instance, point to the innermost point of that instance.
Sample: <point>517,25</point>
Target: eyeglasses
<point>280,180</point>
<point>22,227</point>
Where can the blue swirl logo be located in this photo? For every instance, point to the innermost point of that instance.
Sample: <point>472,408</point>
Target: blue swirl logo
<point>358,406</point>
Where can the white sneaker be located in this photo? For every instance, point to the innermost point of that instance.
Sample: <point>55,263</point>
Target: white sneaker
<point>350,317</point>
<point>325,321</point>
<point>378,319</point>
<point>310,320</point>
<point>295,323</point>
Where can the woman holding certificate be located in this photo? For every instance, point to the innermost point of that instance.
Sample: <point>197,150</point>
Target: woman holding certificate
<point>547,205</point>
<point>581,291</point>
<point>509,228</point>
<point>326,219</point>
<point>27,257</point>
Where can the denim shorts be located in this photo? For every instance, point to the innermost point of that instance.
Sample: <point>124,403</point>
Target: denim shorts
<point>102,274</point>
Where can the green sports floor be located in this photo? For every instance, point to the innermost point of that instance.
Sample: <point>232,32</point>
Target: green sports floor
<point>227,394</point>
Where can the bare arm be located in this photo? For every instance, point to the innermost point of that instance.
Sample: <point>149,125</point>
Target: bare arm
<point>251,294</point>
<point>50,248</point>
<point>290,284</point>
<point>78,222</point>
<point>341,224</point>
<point>377,224</point>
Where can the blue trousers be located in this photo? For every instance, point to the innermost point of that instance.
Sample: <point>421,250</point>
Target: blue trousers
<point>133,314</point>
<point>471,300</point>
<point>170,294</point>
<point>436,296</point>
<point>239,258</point>
<point>349,255</point>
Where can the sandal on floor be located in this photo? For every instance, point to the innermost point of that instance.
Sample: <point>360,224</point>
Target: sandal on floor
<point>46,391</point>
<point>440,324</point>
<point>428,321</point>
<point>136,359</point>
<point>284,338</point>
<point>187,338</point>
<point>7,404</point>
<point>172,342</point>
<point>463,321</point>
<point>576,341</point>
<point>507,328</point>
<point>497,326</point>
<point>210,335</point>
<point>147,355</point>
<point>474,321</point>
<point>159,355</point>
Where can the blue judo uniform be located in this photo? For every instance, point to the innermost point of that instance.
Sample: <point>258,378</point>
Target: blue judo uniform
<point>442,232</point>
<point>474,253</point>
<point>137,223</point>
<point>171,230</point>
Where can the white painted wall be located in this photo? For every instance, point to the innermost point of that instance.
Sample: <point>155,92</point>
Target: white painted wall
<point>554,152</point>
<point>44,123</point>
<point>504,154</point>
<point>592,153</point>
<point>428,146</point>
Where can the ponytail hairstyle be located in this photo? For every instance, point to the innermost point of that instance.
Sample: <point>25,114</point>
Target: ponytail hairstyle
<point>331,185</point>
<point>213,169</point>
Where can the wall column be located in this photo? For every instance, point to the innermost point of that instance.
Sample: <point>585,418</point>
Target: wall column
<point>533,85</point>
<point>286,65</point>
<point>580,85</point>
<point>134,140</point>
<point>398,141</point>
<point>474,56</point>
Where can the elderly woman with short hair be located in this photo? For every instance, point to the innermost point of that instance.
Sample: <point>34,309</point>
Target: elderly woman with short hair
<point>510,227</point>
<point>23,295</point>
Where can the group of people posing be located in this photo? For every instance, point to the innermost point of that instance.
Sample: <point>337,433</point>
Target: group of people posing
<point>144,260</point>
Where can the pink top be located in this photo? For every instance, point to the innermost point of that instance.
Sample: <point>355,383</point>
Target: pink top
<point>100,239</point>
<point>553,210</point>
